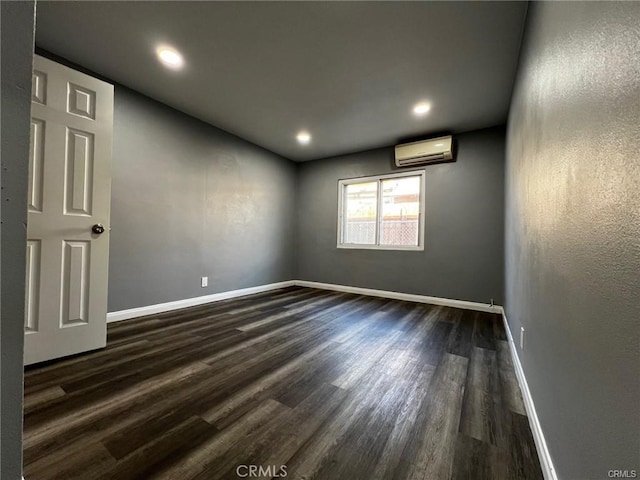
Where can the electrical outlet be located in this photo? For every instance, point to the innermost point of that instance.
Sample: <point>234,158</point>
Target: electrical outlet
<point>204,282</point>
<point>521,338</point>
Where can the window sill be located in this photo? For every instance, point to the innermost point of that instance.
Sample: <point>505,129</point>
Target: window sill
<point>381,247</point>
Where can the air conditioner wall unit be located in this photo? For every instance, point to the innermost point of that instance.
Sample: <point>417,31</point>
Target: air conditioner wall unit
<point>433,150</point>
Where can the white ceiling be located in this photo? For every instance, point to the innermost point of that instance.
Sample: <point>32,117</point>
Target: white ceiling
<point>348,72</point>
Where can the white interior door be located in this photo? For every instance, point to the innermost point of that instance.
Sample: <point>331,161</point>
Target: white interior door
<point>69,196</point>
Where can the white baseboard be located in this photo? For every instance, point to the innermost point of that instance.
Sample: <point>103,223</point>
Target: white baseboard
<point>410,297</point>
<point>191,302</point>
<point>546,463</point>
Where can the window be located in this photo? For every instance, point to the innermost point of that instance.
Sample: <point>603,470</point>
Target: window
<point>382,212</point>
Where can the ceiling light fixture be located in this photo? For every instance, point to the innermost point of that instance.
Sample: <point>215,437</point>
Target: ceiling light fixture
<point>421,108</point>
<point>170,57</point>
<point>303,138</point>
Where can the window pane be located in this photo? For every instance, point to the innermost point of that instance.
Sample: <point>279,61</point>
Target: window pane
<point>400,211</point>
<point>360,210</point>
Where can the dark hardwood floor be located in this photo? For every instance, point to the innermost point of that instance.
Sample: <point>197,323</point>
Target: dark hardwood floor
<point>325,385</point>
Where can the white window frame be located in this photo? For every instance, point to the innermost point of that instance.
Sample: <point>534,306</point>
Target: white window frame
<point>342,184</point>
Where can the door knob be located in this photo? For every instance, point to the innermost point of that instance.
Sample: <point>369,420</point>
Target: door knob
<point>98,228</point>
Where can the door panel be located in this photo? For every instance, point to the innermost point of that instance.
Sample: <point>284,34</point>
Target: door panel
<point>78,181</point>
<point>69,192</point>
<point>39,87</point>
<point>36,165</point>
<point>75,283</point>
<point>33,286</point>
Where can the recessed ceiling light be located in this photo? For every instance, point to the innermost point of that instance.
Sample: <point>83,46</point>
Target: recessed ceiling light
<point>421,108</point>
<point>170,57</point>
<point>303,138</point>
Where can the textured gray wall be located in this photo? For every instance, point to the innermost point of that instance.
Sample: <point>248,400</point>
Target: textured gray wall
<point>464,227</point>
<point>189,200</point>
<point>573,230</point>
<point>17,47</point>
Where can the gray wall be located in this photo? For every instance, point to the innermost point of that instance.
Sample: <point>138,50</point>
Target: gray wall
<point>17,47</point>
<point>189,200</point>
<point>573,230</point>
<point>463,256</point>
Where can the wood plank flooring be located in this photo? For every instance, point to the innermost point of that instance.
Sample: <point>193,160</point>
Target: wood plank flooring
<point>311,383</point>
